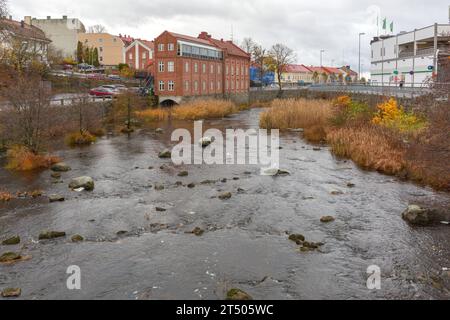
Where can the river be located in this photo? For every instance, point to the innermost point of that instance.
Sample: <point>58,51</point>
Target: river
<point>245,244</point>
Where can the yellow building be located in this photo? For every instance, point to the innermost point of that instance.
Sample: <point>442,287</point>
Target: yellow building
<point>111,49</point>
<point>295,74</point>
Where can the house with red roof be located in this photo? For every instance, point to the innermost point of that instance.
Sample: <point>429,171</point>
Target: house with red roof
<point>187,66</point>
<point>296,74</point>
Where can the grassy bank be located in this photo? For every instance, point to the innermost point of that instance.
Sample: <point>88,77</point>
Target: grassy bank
<point>386,138</point>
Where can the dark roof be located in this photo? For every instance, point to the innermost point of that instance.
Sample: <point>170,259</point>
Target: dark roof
<point>190,39</point>
<point>227,46</point>
<point>21,29</point>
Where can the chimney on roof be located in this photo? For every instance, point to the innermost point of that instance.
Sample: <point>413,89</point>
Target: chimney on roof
<point>49,17</point>
<point>22,24</point>
<point>27,20</point>
<point>10,17</point>
<point>64,17</point>
<point>204,35</point>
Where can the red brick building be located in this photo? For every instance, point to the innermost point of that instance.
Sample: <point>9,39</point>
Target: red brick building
<point>186,66</point>
<point>139,54</point>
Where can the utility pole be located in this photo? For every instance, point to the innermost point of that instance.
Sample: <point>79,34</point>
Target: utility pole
<point>321,53</point>
<point>359,56</point>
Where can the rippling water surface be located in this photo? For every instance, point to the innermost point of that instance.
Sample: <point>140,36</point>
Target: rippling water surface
<point>245,243</point>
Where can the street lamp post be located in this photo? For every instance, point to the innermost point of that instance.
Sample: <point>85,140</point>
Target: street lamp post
<point>321,52</point>
<point>359,56</point>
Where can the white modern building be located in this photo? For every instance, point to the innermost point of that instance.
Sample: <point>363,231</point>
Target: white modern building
<point>410,57</point>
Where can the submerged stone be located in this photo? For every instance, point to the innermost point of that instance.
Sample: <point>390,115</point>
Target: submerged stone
<point>297,238</point>
<point>55,198</point>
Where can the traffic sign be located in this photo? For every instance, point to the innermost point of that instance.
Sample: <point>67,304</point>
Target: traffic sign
<point>395,72</point>
<point>430,68</point>
<point>411,72</point>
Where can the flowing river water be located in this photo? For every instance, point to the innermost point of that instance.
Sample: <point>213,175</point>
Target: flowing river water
<point>245,244</point>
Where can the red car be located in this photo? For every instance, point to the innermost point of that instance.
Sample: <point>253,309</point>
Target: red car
<point>102,92</point>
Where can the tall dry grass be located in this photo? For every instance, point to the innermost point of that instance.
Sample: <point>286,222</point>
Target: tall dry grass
<point>370,147</point>
<point>204,109</point>
<point>311,115</point>
<point>5,196</point>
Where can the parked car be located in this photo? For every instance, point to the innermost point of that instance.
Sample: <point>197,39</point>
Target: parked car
<point>95,76</point>
<point>114,77</point>
<point>115,87</point>
<point>85,66</point>
<point>103,92</point>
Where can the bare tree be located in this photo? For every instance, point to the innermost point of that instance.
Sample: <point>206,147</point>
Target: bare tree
<point>25,115</point>
<point>247,45</point>
<point>98,28</point>
<point>282,56</point>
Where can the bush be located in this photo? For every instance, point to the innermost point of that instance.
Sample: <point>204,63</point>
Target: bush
<point>5,196</point>
<point>80,138</point>
<point>346,110</point>
<point>393,116</point>
<point>22,159</point>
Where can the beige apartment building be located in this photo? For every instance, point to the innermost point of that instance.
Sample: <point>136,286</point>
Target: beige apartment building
<point>111,49</point>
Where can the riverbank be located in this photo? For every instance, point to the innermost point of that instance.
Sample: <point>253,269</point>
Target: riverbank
<point>387,138</point>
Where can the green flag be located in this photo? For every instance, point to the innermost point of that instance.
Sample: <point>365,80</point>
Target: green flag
<point>384,23</point>
<point>392,26</point>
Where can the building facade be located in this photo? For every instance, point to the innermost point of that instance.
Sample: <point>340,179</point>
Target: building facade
<point>296,74</point>
<point>139,55</point>
<point>187,66</point>
<point>409,57</point>
<point>23,38</point>
<point>62,32</point>
<point>111,49</point>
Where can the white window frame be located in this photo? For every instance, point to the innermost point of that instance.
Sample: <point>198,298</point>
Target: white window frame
<point>171,85</point>
<point>161,85</point>
<point>170,66</point>
<point>161,47</point>
<point>161,66</point>
<point>170,47</point>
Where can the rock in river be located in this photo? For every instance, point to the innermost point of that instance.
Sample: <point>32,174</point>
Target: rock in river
<point>416,215</point>
<point>238,294</point>
<point>82,182</point>
<point>183,174</point>
<point>327,219</point>
<point>166,154</point>
<point>11,241</point>
<point>56,175</point>
<point>46,235</point>
<point>77,238</point>
<point>55,198</point>
<point>60,167</point>
<point>297,238</point>
<point>9,257</point>
<point>11,292</point>
<point>225,196</point>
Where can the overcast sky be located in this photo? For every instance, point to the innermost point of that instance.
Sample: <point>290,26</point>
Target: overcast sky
<point>304,25</point>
